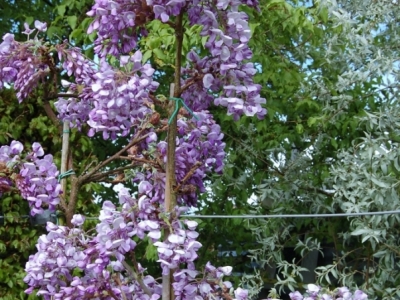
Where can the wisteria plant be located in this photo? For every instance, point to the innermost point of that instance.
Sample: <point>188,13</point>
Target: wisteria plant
<point>171,155</point>
<point>119,100</point>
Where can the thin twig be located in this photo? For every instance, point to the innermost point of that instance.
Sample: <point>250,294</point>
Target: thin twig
<point>63,95</point>
<point>188,175</point>
<point>101,176</point>
<point>145,161</point>
<point>135,276</point>
<point>87,177</point>
<point>118,281</point>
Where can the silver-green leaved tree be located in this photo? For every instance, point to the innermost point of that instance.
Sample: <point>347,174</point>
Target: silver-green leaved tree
<point>336,150</point>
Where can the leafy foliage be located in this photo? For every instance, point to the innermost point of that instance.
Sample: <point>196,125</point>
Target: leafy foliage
<point>328,146</point>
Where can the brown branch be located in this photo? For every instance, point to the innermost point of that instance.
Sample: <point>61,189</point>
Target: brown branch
<point>111,293</point>
<point>191,82</point>
<point>52,116</point>
<point>93,176</point>
<point>73,198</point>
<point>118,281</point>
<point>87,177</point>
<point>145,161</point>
<point>187,176</point>
<point>101,176</point>
<point>66,95</point>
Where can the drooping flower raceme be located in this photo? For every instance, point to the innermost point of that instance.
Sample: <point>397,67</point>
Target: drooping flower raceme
<point>199,151</point>
<point>102,258</point>
<point>225,71</point>
<point>34,174</point>
<point>121,98</point>
<point>111,100</point>
<point>24,65</point>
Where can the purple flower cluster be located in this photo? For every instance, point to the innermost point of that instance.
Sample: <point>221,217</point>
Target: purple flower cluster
<point>9,158</point>
<point>35,177</point>
<point>111,100</point>
<point>50,268</point>
<point>118,25</point>
<point>23,65</point>
<point>74,110</point>
<point>101,261</point>
<point>63,251</point>
<point>120,98</point>
<point>225,71</point>
<point>199,150</point>
<point>179,248</point>
<point>314,292</point>
<point>210,286</point>
<point>74,63</point>
<point>199,141</point>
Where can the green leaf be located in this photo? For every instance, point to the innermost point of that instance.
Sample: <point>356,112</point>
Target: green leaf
<point>334,143</point>
<point>379,183</point>
<point>154,43</point>
<point>53,30</point>
<point>61,10</point>
<point>311,121</point>
<point>160,54</point>
<point>10,283</point>
<point>299,128</point>
<point>29,20</point>
<point>360,231</point>
<point>72,21</point>
<point>76,34</point>
<point>151,252</point>
<point>146,56</point>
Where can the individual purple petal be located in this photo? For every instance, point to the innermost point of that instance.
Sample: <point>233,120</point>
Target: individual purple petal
<point>241,294</point>
<point>207,80</point>
<point>27,30</point>
<point>296,295</point>
<point>41,26</point>
<point>78,220</point>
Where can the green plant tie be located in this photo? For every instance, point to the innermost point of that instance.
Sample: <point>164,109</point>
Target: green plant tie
<point>65,174</point>
<point>180,101</point>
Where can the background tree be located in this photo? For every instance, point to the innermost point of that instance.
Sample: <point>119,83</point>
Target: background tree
<point>331,149</point>
<point>41,56</point>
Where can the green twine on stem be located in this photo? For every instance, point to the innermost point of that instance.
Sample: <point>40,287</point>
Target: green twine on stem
<point>177,106</point>
<point>65,174</point>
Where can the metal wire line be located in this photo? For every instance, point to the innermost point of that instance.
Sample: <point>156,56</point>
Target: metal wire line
<point>388,212</point>
<point>376,213</point>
